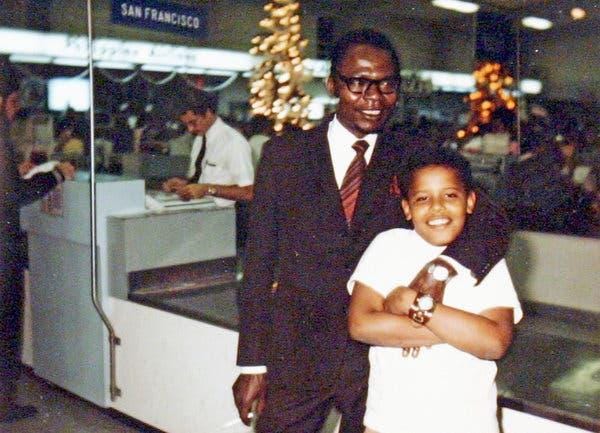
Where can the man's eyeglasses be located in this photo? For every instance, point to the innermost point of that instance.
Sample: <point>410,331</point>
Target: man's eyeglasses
<point>361,85</point>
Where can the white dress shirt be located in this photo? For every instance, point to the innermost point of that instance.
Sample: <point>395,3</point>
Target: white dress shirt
<point>340,147</point>
<point>227,161</point>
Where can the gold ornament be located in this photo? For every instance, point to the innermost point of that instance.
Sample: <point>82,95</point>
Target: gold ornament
<point>276,84</point>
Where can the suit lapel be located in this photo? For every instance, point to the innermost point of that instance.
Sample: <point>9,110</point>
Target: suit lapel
<point>376,180</point>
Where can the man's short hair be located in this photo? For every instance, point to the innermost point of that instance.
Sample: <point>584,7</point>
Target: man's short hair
<point>198,102</point>
<point>428,155</point>
<point>363,37</point>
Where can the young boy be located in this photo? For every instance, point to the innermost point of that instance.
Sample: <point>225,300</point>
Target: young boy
<point>449,386</point>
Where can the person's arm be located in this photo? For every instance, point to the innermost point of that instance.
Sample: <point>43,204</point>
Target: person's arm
<point>229,192</point>
<point>254,296</point>
<point>29,190</point>
<point>486,335</point>
<point>485,239</point>
<point>370,324</point>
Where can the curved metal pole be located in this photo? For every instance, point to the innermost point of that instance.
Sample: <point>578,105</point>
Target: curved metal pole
<point>113,340</point>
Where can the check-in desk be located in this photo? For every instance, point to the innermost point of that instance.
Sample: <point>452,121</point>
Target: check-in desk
<point>173,372</point>
<point>175,366</point>
<point>70,343</point>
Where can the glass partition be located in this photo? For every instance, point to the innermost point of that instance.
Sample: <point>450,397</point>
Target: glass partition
<point>45,52</point>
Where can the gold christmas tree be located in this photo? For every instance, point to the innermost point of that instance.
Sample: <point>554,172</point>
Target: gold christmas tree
<point>491,83</point>
<point>276,85</point>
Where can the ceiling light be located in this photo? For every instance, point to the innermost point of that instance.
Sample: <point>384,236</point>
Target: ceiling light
<point>536,23</point>
<point>578,13</point>
<point>457,5</point>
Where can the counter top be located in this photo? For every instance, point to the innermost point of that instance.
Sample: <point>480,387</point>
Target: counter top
<point>552,369</point>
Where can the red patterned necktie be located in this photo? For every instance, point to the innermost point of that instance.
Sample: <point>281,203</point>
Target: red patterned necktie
<point>353,178</point>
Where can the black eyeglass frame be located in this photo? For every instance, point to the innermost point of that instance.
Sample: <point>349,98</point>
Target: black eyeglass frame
<point>366,83</point>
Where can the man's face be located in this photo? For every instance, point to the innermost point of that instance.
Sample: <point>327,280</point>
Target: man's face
<point>196,124</point>
<point>367,112</point>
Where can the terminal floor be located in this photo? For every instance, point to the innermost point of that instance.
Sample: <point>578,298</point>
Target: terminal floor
<point>62,412</point>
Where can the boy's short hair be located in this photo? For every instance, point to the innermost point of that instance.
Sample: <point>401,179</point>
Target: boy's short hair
<point>426,155</point>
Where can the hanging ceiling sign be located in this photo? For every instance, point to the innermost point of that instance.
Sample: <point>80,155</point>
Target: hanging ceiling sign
<point>161,16</point>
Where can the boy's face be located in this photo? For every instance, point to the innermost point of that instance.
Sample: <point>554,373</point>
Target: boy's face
<point>438,204</point>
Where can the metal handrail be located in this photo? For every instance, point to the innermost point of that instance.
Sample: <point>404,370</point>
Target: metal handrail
<point>113,340</point>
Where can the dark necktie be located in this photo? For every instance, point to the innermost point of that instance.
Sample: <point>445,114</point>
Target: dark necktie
<point>353,178</point>
<point>198,163</point>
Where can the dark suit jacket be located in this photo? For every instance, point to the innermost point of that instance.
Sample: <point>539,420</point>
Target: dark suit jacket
<point>15,193</point>
<point>298,237</point>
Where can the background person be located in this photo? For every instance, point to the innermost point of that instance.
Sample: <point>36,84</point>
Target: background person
<point>220,160</point>
<point>14,193</point>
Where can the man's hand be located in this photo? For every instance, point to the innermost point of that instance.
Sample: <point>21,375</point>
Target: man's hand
<point>66,169</point>
<point>247,389</point>
<point>192,190</point>
<point>174,184</point>
<point>399,300</point>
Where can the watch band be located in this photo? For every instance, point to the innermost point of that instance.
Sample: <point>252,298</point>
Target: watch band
<point>211,191</point>
<point>419,315</point>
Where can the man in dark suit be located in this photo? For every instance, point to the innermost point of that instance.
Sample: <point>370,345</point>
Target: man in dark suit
<point>14,193</point>
<point>297,358</point>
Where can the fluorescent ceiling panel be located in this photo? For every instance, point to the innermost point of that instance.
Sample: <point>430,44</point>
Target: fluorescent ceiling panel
<point>536,23</point>
<point>457,5</point>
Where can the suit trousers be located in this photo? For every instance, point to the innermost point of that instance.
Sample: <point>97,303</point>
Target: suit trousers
<point>11,310</point>
<point>291,410</point>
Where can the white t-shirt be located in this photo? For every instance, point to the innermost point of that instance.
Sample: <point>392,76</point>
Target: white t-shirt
<point>227,161</point>
<point>443,390</point>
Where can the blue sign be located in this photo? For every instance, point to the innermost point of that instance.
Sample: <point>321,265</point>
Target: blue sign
<point>161,16</point>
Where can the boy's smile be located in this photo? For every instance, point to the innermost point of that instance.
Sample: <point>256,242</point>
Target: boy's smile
<point>438,204</point>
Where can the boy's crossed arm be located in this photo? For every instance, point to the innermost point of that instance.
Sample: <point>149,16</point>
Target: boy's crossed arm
<point>384,322</point>
<point>370,323</point>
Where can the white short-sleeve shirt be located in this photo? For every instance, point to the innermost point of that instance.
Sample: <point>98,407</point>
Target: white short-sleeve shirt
<point>227,161</point>
<point>443,389</point>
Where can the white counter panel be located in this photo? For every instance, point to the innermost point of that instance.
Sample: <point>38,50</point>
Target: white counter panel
<point>175,373</point>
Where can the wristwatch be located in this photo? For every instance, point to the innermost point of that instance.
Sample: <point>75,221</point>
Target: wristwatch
<point>211,191</point>
<point>422,308</point>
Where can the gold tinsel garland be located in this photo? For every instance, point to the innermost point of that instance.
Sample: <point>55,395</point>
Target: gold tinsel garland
<point>276,84</point>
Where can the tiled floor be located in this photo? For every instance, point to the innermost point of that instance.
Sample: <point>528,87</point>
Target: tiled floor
<point>61,412</point>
